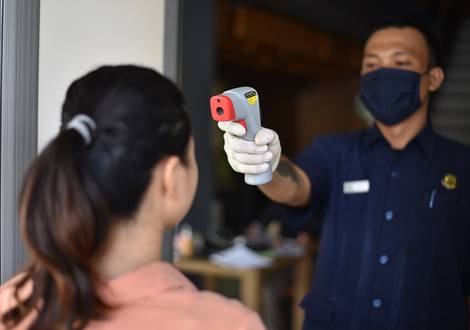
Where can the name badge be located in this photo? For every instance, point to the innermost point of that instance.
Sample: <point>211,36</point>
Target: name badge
<point>356,187</point>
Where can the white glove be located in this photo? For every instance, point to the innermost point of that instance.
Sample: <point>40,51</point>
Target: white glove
<point>250,157</point>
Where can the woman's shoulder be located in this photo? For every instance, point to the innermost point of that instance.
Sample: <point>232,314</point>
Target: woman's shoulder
<point>225,313</point>
<point>161,294</point>
<point>181,310</point>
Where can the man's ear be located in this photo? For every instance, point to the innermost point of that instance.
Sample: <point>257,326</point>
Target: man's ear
<point>170,177</point>
<point>436,78</point>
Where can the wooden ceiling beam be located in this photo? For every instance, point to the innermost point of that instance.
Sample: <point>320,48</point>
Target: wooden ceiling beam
<point>255,38</point>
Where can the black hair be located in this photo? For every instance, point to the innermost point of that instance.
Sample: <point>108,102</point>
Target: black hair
<point>75,192</point>
<point>428,30</point>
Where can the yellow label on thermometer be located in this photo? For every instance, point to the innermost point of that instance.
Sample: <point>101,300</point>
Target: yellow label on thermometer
<point>252,100</point>
<point>251,97</point>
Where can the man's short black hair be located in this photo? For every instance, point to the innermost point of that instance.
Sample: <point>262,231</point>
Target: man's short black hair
<point>428,30</point>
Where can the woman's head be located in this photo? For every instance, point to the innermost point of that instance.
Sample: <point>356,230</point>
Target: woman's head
<point>140,151</point>
<point>140,121</point>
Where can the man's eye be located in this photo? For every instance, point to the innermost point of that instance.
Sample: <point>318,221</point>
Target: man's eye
<point>370,65</point>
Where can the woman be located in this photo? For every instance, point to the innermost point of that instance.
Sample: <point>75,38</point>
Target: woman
<point>93,209</point>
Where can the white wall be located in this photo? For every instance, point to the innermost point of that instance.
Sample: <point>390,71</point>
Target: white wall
<point>79,35</point>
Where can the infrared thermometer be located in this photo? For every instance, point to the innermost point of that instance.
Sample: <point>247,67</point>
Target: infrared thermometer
<point>242,106</point>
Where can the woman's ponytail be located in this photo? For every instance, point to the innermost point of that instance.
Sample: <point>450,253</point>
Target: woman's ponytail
<point>59,221</point>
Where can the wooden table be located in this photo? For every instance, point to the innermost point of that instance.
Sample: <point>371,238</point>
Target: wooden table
<point>251,280</point>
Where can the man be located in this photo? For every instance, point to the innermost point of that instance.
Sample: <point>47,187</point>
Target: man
<point>395,247</point>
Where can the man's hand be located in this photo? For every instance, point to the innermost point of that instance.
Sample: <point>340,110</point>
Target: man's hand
<point>251,157</point>
<point>290,185</point>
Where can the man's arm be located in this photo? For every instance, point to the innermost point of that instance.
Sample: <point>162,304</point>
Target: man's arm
<point>290,185</point>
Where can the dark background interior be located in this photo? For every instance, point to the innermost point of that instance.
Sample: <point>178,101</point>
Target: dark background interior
<point>303,57</point>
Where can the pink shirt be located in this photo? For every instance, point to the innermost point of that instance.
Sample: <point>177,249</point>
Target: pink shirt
<point>158,296</point>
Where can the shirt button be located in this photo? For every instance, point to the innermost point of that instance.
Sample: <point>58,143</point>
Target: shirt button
<point>383,259</point>
<point>395,174</point>
<point>389,215</point>
<point>377,303</point>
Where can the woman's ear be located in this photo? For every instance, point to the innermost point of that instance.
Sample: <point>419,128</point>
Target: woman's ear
<point>436,78</point>
<point>173,193</point>
<point>170,177</point>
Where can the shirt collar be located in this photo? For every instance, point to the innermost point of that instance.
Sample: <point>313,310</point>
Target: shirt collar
<point>371,136</point>
<point>425,138</point>
<point>153,278</point>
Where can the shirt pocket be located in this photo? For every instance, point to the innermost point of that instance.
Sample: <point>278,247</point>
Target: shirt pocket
<point>442,224</point>
<point>445,200</point>
<point>446,212</point>
<point>441,240</point>
<point>321,311</point>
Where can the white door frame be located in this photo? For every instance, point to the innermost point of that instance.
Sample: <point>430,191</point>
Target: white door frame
<point>18,116</point>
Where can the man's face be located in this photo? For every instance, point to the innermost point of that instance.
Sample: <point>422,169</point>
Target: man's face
<point>401,48</point>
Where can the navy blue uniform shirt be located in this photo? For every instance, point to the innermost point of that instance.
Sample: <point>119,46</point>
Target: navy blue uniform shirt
<point>395,244</point>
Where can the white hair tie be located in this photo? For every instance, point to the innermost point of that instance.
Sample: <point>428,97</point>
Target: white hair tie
<point>84,125</point>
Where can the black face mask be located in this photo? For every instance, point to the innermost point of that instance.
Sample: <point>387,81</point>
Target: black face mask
<point>391,95</point>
